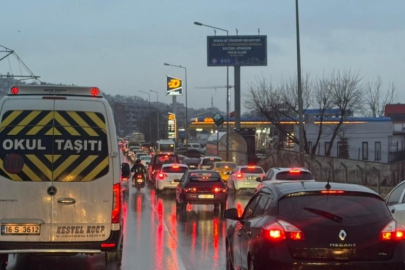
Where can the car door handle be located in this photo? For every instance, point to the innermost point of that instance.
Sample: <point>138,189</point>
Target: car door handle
<point>66,200</point>
<point>249,233</point>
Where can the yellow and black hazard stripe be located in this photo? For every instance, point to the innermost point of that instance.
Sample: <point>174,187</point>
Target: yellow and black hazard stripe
<point>50,145</point>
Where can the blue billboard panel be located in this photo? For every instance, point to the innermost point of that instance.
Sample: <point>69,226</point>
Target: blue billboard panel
<point>237,50</point>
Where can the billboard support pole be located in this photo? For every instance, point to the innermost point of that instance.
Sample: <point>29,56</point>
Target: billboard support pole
<point>237,96</point>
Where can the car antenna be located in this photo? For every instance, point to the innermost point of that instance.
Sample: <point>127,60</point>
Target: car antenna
<point>327,186</point>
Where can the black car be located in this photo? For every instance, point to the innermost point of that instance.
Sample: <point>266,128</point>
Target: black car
<point>192,163</point>
<point>314,225</point>
<point>201,187</point>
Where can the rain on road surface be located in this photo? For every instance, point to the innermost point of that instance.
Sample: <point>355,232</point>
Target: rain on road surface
<point>156,237</point>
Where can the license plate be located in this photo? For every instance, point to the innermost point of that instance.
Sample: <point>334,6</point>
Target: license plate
<point>139,180</point>
<point>206,196</point>
<point>27,229</point>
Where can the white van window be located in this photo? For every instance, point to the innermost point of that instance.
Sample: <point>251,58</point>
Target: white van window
<point>48,145</point>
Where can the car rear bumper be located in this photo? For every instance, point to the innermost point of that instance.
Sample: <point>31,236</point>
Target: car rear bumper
<point>343,266</point>
<point>239,185</point>
<point>56,248</point>
<point>194,199</point>
<point>161,185</point>
<point>279,258</point>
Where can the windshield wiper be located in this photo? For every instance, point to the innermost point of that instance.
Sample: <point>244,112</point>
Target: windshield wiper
<point>328,215</point>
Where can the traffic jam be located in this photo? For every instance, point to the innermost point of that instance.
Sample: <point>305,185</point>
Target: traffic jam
<point>81,198</point>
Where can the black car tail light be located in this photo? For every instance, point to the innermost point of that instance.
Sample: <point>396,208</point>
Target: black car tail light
<point>332,192</point>
<point>190,190</point>
<point>219,190</point>
<point>281,230</point>
<point>390,232</point>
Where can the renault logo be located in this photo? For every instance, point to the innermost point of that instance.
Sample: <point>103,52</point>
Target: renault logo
<point>342,235</point>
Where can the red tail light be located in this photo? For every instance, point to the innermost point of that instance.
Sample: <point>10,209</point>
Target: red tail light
<point>281,230</point>
<point>332,192</point>
<point>108,245</point>
<point>390,232</point>
<point>190,190</point>
<point>116,211</point>
<point>219,190</point>
<point>161,176</point>
<point>295,170</point>
<point>139,176</point>
<point>239,176</point>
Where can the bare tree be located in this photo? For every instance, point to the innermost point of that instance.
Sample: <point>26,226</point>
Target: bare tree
<point>278,104</point>
<point>375,100</point>
<point>342,91</point>
<point>322,101</point>
<point>347,95</point>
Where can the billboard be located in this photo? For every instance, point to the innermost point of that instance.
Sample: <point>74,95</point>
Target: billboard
<point>174,86</point>
<point>171,126</point>
<point>237,50</point>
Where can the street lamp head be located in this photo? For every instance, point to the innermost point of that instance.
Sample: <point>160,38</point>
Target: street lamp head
<point>166,64</point>
<point>198,23</point>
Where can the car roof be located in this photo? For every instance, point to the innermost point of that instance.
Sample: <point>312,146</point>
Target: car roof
<point>297,186</point>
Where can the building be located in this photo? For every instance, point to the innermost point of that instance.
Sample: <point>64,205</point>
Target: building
<point>360,138</point>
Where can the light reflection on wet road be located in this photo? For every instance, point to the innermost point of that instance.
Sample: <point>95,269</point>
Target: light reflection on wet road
<point>167,240</point>
<point>156,237</point>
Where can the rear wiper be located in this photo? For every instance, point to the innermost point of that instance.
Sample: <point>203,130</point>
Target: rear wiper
<point>328,215</point>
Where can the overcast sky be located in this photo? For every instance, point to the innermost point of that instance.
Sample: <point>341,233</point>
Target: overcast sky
<point>120,46</point>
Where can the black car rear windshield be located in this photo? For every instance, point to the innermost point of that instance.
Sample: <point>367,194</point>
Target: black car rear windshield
<point>175,169</point>
<point>345,209</point>
<point>210,161</point>
<point>204,177</point>
<point>294,176</point>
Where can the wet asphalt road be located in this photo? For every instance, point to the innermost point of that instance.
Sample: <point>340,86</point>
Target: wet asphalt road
<point>156,237</point>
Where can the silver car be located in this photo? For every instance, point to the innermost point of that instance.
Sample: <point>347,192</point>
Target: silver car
<point>245,177</point>
<point>165,177</point>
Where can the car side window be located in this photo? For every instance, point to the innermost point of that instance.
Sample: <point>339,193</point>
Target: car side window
<point>250,208</point>
<point>396,195</point>
<point>261,206</point>
<point>269,174</point>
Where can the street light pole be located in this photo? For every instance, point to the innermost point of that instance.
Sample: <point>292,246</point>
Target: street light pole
<point>185,90</point>
<point>150,118</point>
<point>157,112</point>
<point>228,92</point>
<point>300,101</point>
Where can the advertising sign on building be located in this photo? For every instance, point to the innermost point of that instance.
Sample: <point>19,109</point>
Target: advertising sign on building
<point>237,50</point>
<point>174,86</point>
